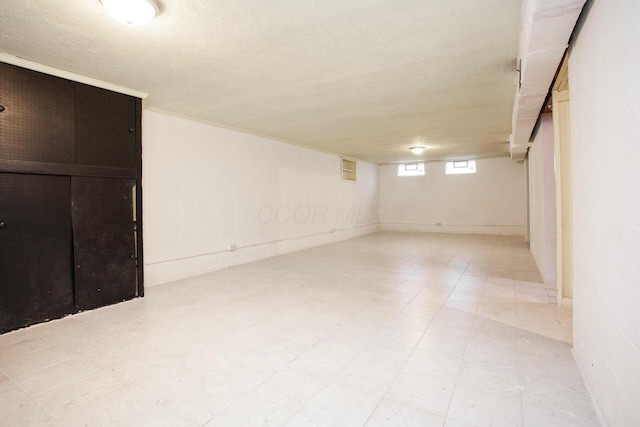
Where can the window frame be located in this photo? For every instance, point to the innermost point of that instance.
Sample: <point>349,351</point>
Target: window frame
<point>403,172</point>
<point>451,168</point>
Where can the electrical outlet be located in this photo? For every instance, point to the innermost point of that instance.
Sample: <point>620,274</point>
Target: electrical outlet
<point>233,247</point>
<point>438,224</point>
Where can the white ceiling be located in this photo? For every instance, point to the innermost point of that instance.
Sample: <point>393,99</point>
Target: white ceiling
<point>363,78</point>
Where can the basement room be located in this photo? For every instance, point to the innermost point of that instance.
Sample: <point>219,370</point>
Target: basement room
<point>319,213</point>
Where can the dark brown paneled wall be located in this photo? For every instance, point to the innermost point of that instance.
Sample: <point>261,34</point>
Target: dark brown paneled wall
<point>70,166</point>
<point>105,128</point>
<point>36,268</point>
<point>37,124</point>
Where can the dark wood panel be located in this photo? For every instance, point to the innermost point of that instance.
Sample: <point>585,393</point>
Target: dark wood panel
<point>37,123</point>
<point>57,133</point>
<point>36,258</point>
<point>103,240</point>
<point>105,127</point>
<point>16,166</point>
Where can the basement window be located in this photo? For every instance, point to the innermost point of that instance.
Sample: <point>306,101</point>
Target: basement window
<point>411,169</point>
<point>460,167</point>
<point>348,170</point>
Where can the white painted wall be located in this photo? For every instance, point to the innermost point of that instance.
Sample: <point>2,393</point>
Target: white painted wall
<point>542,191</point>
<point>605,132</point>
<point>491,201</point>
<point>206,188</point>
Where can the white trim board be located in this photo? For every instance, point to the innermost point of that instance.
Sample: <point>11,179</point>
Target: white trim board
<point>25,63</point>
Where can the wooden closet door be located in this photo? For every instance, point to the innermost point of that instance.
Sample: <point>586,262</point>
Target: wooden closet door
<point>103,240</point>
<point>36,258</point>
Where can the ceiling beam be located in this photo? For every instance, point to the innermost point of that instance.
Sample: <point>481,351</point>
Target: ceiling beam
<point>546,29</point>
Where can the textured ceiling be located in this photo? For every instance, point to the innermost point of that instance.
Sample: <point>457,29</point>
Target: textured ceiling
<point>362,78</point>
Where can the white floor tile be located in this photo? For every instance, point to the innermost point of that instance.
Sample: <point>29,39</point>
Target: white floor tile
<point>393,413</point>
<point>487,395</point>
<point>386,329</point>
<point>250,411</point>
<point>557,410</point>
<point>290,389</point>
<point>48,378</point>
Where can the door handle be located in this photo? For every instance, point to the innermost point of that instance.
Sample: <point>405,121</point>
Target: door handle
<point>2,225</point>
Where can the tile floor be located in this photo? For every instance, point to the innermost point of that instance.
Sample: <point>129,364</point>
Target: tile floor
<point>383,330</point>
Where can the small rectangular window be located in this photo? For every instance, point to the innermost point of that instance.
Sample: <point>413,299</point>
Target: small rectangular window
<point>411,169</point>
<point>348,170</point>
<point>460,167</point>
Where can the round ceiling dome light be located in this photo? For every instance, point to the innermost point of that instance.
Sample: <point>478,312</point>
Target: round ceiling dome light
<point>132,12</point>
<point>417,150</point>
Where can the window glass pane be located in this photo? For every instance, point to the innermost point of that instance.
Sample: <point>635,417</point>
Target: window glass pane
<point>460,167</point>
<point>411,169</point>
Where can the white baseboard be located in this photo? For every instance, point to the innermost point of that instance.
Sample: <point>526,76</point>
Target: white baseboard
<point>499,230</point>
<point>157,273</point>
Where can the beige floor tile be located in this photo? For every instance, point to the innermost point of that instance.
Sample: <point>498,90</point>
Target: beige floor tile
<point>12,395</point>
<point>27,414</point>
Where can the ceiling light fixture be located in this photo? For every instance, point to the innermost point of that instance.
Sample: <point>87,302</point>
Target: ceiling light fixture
<point>132,12</point>
<point>417,149</point>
